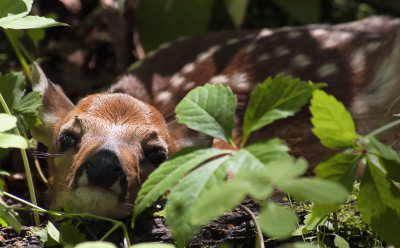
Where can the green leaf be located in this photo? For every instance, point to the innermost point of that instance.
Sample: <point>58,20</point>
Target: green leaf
<point>228,195</point>
<point>315,189</point>
<point>333,124</point>
<point>9,216</point>
<point>13,9</point>
<point>285,169</point>
<point>152,245</point>
<point>168,174</point>
<point>184,196</point>
<point>12,88</point>
<point>274,99</point>
<point>70,234</point>
<point>36,34</point>
<point>299,245</point>
<point>277,221</point>
<point>379,204</point>
<point>339,168</point>
<point>172,19</point>
<point>209,109</point>
<point>237,10</point>
<point>53,232</point>
<point>7,122</point>
<point>340,242</point>
<point>28,22</point>
<point>8,140</point>
<point>305,11</point>
<point>27,110</point>
<point>96,244</point>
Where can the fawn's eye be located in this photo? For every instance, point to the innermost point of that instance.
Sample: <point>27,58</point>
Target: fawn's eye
<point>156,156</point>
<point>66,141</point>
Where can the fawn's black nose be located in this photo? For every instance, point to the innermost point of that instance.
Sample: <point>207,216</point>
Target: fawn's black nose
<point>103,169</point>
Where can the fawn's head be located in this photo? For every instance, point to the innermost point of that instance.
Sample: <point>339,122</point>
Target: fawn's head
<point>105,147</point>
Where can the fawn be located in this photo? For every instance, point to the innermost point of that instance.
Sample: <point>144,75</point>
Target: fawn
<point>108,143</point>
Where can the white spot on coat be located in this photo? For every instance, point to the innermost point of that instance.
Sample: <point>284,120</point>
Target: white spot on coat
<point>223,79</point>
<point>327,70</point>
<point>301,60</point>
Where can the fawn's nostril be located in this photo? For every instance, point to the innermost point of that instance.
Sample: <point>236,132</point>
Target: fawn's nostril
<point>103,169</point>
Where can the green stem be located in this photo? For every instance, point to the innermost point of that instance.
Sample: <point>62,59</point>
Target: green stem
<point>26,164</point>
<point>37,209</point>
<point>384,128</point>
<point>335,223</point>
<point>17,51</point>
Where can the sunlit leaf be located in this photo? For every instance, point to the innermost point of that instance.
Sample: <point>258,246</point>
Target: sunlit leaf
<point>8,140</point>
<point>28,22</point>
<point>209,109</point>
<point>7,122</point>
<point>333,124</point>
<point>14,9</point>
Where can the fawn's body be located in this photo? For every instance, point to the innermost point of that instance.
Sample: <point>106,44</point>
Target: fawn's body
<point>109,143</point>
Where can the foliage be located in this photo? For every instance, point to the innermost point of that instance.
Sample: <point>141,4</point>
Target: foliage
<point>254,170</point>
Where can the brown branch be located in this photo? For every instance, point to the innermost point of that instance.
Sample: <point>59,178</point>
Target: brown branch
<point>258,229</point>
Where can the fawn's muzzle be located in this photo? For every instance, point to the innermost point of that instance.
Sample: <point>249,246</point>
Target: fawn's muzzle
<point>103,169</point>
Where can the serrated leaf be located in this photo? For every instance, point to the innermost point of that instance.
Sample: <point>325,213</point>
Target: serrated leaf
<point>237,10</point>
<point>8,140</point>
<point>255,156</point>
<point>340,242</point>
<point>168,174</point>
<point>7,122</point>
<point>339,168</point>
<point>333,124</point>
<point>209,109</point>
<point>184,196</point>
<point>70,234</point>
<point>27,110</point>
<point>314,189</point>
<point>277,221</point>
<point>379,204</point>
<point>12,88</point>
<point>14,9</point>
<point>274,99</point>
<point>28,22</point>
<point>152,245</point>
<point>9,216</point>
<point>96,244</point>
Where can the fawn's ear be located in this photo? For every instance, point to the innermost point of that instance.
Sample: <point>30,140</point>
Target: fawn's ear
<point>55,105</point>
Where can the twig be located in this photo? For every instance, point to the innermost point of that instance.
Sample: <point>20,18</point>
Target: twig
<point>259,233</point>
<point>39,169</point>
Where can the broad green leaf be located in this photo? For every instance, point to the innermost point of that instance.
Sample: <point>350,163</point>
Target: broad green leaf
<point>168,174</point>
<point>28,22</point>
<point>152,245</point>
<point>96,244</point>
<point>53,232</point>
<point>388,157</point>
<point>379,204</point>
<point>163,21</point>
<point>311,221</point>
<point>237,10</point>
<point>314,189</point>
<point>12,88</point>
<point>274,99</point>
<point>7,122</point>
<point>8,140</point>
<point>299,245</point>
<point>340,242</point>
<point>9,216</point>
<point>209,109</point>
<point>285,169</point>
<point>184,196</point>
<point>14,9</point>
<point>69,234</point>
<point>340,168</point>
<point>227,196</point>
<point>333,124</point>
<point>305,11</point>
<point>255,156</point>
<point>277,221</point>
<point>27,111</point>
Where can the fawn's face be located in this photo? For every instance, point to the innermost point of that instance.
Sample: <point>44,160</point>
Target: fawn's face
<point>105,148</point>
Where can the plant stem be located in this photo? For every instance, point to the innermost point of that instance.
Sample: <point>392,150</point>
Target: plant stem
<point>26,165</point>
<point>335,223</point>
<point>384,128</point>
<point>17,51</point>
<point>258,229</point>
